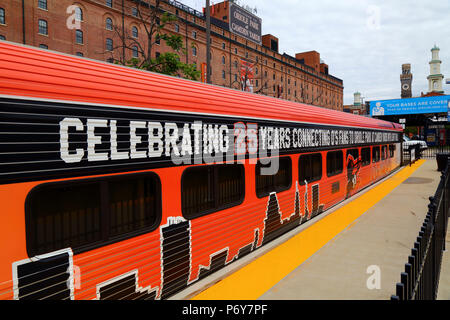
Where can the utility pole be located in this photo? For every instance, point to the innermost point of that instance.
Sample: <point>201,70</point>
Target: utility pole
<point>208,43</point>
<point>123,32</point>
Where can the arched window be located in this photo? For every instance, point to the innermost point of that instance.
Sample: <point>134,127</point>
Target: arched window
<point>42,4</point>
<point>43,27</point>
<point>109,44</point>
<point>223,60</point>
<point>79,36</point>
<point>194,51</point>
<point>2,16</point>
<point>135,32</point>
<point>78,14</point>
<point>109,24</point>
<point>135,52</point>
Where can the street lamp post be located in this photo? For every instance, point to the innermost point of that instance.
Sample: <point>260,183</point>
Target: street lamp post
<point>208,43</point>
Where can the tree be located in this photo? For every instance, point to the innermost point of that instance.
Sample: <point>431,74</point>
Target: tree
<point>247,77</point>
<point>153,20</point>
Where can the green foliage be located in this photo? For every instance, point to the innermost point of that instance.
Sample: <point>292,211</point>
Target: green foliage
<point>169,62</point>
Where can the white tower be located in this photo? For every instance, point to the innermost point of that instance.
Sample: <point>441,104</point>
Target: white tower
<point>435,78</point>
<point>357,99</point>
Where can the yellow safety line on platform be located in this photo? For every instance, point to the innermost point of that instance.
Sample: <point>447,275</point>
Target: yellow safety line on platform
<point>253,280</point>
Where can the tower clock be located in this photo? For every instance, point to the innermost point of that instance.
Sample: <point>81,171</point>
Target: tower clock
<point>406,81</point>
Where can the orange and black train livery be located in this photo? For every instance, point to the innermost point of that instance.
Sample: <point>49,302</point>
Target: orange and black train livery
<point>117,183</point>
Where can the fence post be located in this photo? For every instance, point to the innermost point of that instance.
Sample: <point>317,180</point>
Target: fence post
<point>405,282</point>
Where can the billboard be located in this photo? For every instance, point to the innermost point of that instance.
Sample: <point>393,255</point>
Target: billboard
<point>448,110</point>
<point>436,104</point>
<point>245,24</point>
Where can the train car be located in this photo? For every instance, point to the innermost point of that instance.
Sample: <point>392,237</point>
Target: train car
<point>117,183</point>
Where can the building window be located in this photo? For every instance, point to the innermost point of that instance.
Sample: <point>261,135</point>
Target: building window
<point>223,74</point>
<point>335,163</point>
<point>2,16</point>
<point>91,213</point>
<point>109,24</point>
<point>43,28</point>
<point>78,14</point>
<point>235,77</point>
<point>309,168</point>
<point>194,51</point>
<point>157,54</point>
<point>223,45</point>
<point>42,4</point>
<point>194,34</point>
<point>278,182</point>
<point>80,54</point>
<point>109,44</point>
<point>135,32</point>
<point>2,37</point>
<point>79,36</point>
<point>223,60</point>
<point>43,46</point>
<point>177,28</point>
<point>158,39</point>
<point>109,3</point>
<point>207,189</point>
<point>235,50</point>
<point>135,52</point>
<point>134,12</point>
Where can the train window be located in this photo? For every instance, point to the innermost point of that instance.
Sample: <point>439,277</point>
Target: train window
<point>375,154</point>
<point>365,156</point>
<point>354,153</point>
<point>335,163</point>
<point>391,150</point>
<point>384,155</point>
<point>133,204</point>
<point>309,168</point>
<point>207,189</point>
<point>281,181</point>
<point>89,213</point>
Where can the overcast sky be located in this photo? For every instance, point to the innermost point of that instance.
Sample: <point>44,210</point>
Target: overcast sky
<point>364,42</point>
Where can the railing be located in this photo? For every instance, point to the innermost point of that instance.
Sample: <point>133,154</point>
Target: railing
<point>421,277</point>
<point>411,155</point>
<point>431,152</point>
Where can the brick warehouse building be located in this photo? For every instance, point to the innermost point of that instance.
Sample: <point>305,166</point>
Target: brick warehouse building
<point>42,23</point>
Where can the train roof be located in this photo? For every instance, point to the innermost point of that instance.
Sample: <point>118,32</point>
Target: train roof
<point>37,73</point>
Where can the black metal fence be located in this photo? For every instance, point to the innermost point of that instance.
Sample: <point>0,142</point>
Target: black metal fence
<point>431,152</point>
<point>420,279</point>
<point>411,154</point>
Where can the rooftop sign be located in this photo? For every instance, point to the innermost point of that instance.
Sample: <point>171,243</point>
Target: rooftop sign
<point>245,24</point>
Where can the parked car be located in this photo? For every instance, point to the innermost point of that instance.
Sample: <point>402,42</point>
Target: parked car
<point>407,142</point>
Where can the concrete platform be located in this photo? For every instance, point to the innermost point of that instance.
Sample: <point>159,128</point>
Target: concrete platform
<point>444,281</point>
<point>334,255</point>
<point>379,240</point>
